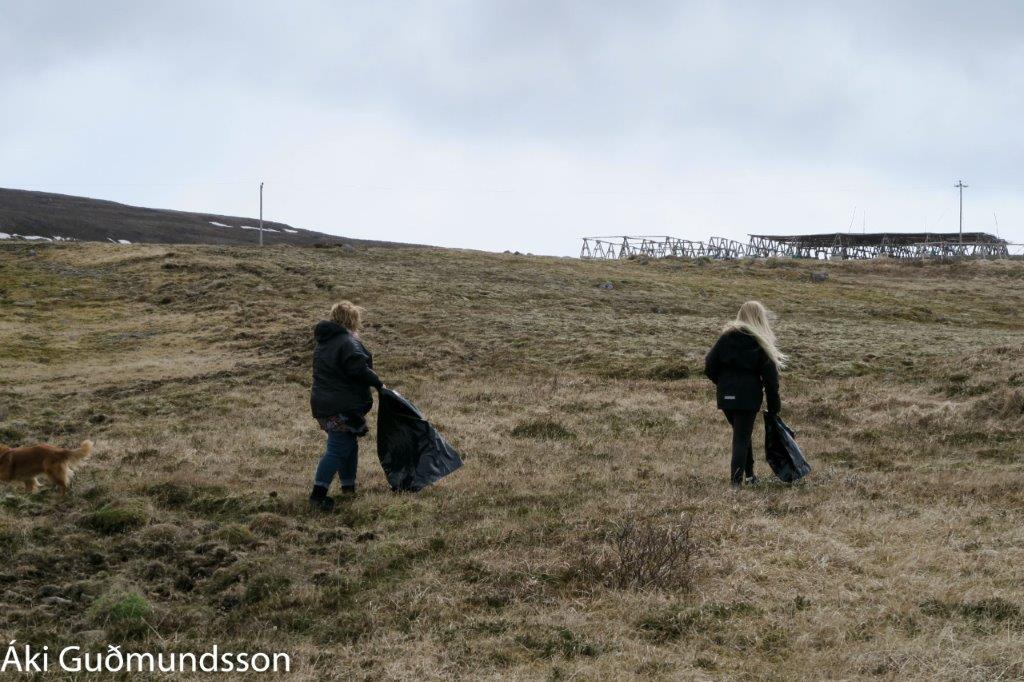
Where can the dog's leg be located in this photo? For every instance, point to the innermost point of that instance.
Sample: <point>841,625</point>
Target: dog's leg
<point>59,475</point>
<point>65,479</point>
<point>31,485</point>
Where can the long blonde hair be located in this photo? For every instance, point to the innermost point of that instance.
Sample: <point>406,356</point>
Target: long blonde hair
<point>753,319</point>
<point>348,315</point>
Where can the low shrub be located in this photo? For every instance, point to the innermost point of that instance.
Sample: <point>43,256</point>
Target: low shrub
<point>642,553</point>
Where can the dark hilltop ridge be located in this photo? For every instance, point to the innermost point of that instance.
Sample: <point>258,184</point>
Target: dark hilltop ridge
<point>42,216</point>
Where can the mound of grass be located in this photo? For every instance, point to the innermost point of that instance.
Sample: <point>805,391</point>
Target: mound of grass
<point>993,609</point>
<point>262,586</point>
<point>116,518</point>
<point>268,523</point>
<point>551,642</point>
<point>670,624</point>
<point>668,371</point>
<point>124,613</point>
<point>206,499</point>
<point>542,429</point>
<point>236,535</point>
<point>640,421</point>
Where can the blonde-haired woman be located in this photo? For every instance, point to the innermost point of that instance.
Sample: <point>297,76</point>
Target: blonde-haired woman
<point>342,377</point>
<point>744,365</point>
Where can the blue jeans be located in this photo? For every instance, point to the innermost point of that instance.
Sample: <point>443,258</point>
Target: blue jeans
<point>341,457</point>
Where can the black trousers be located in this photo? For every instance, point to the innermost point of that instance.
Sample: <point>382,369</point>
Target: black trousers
<point>742,422</point>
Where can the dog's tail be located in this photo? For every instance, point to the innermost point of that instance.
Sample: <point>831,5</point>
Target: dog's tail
<point>81,452</point>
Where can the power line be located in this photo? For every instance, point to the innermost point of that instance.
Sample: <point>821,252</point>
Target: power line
<point>960,185</point>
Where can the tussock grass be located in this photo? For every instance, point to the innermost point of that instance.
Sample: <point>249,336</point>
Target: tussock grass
<point>542,429</point>
<point>125,614</point>
<point>116,518</point>
<point>577,408</point>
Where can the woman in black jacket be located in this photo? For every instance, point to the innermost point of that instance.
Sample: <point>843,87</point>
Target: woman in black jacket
<point>342,377</point>
<point>744,364</point>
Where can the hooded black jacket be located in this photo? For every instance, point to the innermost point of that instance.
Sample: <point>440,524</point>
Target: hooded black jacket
<point>742,373</point>
<point>342,373</point>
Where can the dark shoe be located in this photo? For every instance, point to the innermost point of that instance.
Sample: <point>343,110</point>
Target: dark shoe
<point>752,480</point>
<point>324,504</point>
<point>318,499</point>
<point>348,490</point>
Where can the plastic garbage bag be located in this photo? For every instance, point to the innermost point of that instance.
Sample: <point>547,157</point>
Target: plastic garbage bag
<point>780,449</point>
<point>411,451</point>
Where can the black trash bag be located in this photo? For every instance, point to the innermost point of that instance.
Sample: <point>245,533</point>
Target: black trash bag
<point>412,453</point>
<point>781,451</point>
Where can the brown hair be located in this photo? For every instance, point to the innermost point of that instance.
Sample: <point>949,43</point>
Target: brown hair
<point>348,315</point>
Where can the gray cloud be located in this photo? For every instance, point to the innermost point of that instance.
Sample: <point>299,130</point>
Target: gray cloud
<point>458,122</point>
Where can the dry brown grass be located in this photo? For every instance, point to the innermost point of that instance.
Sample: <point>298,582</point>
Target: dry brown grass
<point>576,408</point>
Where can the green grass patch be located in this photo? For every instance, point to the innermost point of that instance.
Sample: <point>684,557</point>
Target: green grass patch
<point>124,614</point>
<point>116,518</point>
<point>236,535</point>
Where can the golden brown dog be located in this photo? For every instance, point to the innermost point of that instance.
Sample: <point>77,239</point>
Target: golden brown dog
<point>25,464</point>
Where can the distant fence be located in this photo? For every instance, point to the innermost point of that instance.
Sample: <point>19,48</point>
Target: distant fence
<point>718,248</point>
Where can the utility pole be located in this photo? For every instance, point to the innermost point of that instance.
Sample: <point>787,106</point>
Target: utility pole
<point>960,185</point>
<point>261,214</point>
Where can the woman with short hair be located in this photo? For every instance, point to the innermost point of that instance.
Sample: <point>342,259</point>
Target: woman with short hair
<point>744,365</point>
<point>342,377</point>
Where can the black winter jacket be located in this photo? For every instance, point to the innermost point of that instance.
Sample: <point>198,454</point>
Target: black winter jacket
<point>742,372</point>
<point>342,373</point>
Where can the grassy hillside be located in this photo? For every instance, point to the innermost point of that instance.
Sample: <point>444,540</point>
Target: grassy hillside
<point>580,410</point>
<point>44,216</point>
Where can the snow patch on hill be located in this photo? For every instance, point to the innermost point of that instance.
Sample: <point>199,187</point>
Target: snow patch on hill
<point>35,237</point>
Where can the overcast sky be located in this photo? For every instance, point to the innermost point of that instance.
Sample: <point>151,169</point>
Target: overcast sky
<point>524,125</point>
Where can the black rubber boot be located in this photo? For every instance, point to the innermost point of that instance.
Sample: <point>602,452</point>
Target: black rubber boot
<point>318,499</point>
